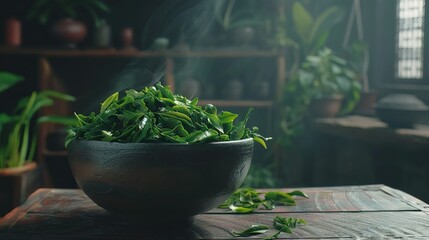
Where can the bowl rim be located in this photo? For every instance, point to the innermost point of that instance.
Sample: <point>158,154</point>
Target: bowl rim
<point>240,141</point>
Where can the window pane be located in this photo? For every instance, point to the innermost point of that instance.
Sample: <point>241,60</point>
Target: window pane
<point>409,41</point>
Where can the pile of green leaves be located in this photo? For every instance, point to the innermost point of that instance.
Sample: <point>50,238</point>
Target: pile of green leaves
<point>246,200</point>
<point>155,114</point>
<point>281,224</point>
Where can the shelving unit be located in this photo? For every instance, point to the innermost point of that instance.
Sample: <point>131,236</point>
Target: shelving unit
<point>47,77</point>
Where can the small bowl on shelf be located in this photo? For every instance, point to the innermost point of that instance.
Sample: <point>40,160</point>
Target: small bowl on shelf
<point>159,181</point>
<point>400,110</point>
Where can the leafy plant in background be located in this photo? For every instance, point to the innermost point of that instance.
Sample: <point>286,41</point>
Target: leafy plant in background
<point>320,75</point>
<point>17,135</point>
<point>313,32</point>
<point>229,16</point>
<point>44,10</point>
<point>326,74</point>
<point>308,34</point>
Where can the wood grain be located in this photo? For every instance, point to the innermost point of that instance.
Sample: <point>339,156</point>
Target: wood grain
<point>355,212</point>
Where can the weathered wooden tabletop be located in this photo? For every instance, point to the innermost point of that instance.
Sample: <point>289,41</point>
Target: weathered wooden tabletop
<point>349,212</point>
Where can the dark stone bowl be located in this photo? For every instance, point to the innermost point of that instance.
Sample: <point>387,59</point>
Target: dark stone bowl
<point>159,180</point>
<point>400,118</point>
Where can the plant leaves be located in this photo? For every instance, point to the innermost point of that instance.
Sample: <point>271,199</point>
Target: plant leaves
<point>280,198</point>
<point>7,80</point>
<point>241,209</point>
<point>108,101</point>
<point>260,141</point>
<point>298,193</point>
<point>252,230</point>
<point>155,114</point>
<point>303,21</point>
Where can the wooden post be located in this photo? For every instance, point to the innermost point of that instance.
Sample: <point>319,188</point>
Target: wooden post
<point>278,108</point>
<point>281,75</point>
<point>169,72</point>
<point>45,74</point>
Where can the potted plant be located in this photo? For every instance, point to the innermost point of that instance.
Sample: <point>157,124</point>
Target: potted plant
<point>324,81</point>
<point>63,14</point>
<point>308,35</point>
<point>238,24</point>
<point>18,136</point>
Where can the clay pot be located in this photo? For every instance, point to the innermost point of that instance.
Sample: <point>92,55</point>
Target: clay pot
<point>161,43</point>
<point>326,107</point>
<point>127,37</point>
<point>260,90</point>
<point>12,32</point>
<point>242,36</point>
<point>17,184</point>
<point>18,170</point>
<point>102,35</point>
<point>70,31</point>
<point>233,90</point>
<point>366,104</point>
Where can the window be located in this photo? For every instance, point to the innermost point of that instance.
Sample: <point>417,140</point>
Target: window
<point>410,39</point>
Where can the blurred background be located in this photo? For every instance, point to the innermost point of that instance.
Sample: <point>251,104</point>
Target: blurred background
<point>340,85</point>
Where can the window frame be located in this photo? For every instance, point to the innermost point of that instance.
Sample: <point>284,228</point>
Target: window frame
<point>383,46</point>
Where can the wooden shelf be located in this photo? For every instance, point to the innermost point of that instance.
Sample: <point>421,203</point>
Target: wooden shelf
<point>372,130</point>
<point>240,103</point>
<point>212,53</point>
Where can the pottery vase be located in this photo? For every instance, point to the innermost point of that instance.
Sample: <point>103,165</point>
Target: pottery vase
<point>102,35</point>
<point>233,90</point>
<point>12,32</point>
<point>69,31</point>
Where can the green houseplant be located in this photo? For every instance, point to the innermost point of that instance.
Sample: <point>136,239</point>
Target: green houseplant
<point>325,76</point>
<point>18,138</point>
<point>19,174</point>
<point>320,79</point>
<point>239,24</point>
<point>64,13</point>
<point>308,35</point>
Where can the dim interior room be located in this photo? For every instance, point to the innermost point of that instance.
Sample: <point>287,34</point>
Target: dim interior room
<point>339,88</point>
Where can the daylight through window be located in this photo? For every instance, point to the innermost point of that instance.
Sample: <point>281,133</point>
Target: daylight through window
<point>410,36</point>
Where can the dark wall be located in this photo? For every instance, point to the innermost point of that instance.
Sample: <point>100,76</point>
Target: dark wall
<point>128,13</point>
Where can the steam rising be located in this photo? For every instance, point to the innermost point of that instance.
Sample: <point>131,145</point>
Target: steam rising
<point>193,20</point>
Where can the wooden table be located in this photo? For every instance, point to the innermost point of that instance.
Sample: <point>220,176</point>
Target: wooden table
<point>348,212</point>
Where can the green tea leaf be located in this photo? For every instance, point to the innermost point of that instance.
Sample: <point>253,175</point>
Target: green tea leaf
<point>227,117</point>
<point>238,132</point>
<point>274,236</point>
<point>260,141</point>
<point>155,114</point>
<point>280,198</point>
<point>298,193</point>
<point>108,101</point>
<point>241,209</point>
<point>252,230</point>
<point>269,205</point>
